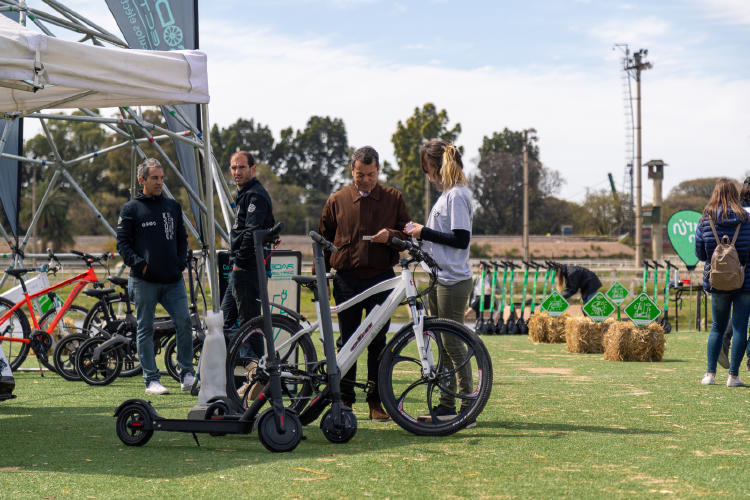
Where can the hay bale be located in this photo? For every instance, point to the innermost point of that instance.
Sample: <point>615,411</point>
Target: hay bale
<point>582,335</point>
<point>538,327</point>
<point>556,329</point>
<point>627,342</point>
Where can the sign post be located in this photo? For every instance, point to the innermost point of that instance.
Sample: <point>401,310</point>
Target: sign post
<point>642,311</point>
<point>555,304</point>
<point>599,308</point>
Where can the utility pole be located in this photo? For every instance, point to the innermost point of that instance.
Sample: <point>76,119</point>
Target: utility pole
<point>637,64</point>
<point>525,243</point>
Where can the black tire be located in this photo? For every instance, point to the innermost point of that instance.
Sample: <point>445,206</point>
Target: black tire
<point>64,356</point>
<point>101,372</point>
<point>105,319</point>
<point>134,425</point>
<point>272,439</point>
<point>170,357</point>
<point>409,397</point>
<point>17,326</point>
<point>70,324</point>
<point>297,360</point>
<point>342,433</point>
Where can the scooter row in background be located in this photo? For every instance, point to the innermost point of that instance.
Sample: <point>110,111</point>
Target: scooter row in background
<point>514,324</point>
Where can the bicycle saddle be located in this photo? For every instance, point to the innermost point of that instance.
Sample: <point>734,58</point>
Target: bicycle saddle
<point>99,293</point>
<point>304,280</point>
<point>19,271</point>
<point>116,280</point>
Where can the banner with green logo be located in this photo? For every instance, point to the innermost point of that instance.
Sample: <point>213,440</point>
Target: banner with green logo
<point>681,231</point>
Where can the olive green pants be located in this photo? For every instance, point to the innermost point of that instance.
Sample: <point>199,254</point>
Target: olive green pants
<point>449,302</point>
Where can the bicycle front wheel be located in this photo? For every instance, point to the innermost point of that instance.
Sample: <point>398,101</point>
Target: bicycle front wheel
<point>100,370</point>
<point>297,359</point>
<point>17,327</point>
<point>461,379</point>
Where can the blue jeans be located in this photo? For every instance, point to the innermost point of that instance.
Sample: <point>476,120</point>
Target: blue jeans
<point>721,305</point>
<point>174,299</point>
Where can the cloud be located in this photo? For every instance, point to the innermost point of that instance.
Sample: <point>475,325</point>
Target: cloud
<point>624,30</point>
<point>727,11</point>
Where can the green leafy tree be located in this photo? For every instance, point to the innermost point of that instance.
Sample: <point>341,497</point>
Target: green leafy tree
<point>603,213</point>
<point>242,135</point>
<point>498,187</point>
<point>692,194</point>
<point>424,124</point>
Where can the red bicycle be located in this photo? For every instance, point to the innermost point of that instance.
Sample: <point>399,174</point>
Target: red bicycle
<point>16,335</point>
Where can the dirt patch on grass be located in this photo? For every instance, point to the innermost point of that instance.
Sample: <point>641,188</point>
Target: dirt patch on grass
<point>556,371</point>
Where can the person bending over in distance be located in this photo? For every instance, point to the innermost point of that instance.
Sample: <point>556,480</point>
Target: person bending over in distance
<point>571,279</point>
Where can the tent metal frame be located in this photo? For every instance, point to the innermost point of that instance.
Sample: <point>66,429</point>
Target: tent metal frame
<point>127,126</point>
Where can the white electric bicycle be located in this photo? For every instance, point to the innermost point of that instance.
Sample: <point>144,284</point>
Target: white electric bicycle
<point>427,361</point>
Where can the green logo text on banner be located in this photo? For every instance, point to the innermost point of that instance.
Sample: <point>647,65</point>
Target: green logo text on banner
<point>681,231</point>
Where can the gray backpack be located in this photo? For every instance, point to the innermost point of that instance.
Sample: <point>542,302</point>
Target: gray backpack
<point>726,272</point>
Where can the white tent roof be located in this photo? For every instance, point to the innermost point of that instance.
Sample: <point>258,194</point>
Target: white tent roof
<point>117,77</point>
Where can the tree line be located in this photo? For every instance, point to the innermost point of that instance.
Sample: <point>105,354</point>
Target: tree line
<point>301,168</point>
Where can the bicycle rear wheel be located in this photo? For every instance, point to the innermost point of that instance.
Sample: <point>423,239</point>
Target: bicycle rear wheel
<point>296,360</point>
<point>101,371</point>
<point>461,379</point>
<point>170,357</point>
<point>70,323</point>
<point>17,327</point>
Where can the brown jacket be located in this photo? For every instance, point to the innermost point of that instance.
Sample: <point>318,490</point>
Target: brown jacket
<point>347,217</point>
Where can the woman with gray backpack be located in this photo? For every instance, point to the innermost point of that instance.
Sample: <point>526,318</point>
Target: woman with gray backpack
<point>722,241</point>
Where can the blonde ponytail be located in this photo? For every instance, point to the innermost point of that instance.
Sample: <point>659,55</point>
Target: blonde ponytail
<point>447,159</point>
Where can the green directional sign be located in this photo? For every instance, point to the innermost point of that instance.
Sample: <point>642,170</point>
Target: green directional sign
<point>555,304</point>
<point>599,308</point>
<point>642,310</point>
<point>617,293</point>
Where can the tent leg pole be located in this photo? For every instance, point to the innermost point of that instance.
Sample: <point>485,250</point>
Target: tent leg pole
<point>39,209</point>
<point>211,236</point>
<point>88,202</point>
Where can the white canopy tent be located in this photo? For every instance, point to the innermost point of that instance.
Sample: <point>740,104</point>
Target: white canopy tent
<point>39,72</point>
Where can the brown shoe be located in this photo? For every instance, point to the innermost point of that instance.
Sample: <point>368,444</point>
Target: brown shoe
<point>377,413</point>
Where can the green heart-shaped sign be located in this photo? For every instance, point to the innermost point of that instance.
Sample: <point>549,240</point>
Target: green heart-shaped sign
<point>681,231</point>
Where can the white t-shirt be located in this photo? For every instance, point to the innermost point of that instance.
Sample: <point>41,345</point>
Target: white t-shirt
<point>453,210</point>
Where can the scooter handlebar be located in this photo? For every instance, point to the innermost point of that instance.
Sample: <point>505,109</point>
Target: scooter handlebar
<point>327,245</point>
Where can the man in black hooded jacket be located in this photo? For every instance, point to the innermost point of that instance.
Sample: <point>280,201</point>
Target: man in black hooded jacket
<point>152,241</point>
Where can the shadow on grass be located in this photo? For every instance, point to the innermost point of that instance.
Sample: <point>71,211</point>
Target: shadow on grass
<point>558,427</point>
<point>82,440</point>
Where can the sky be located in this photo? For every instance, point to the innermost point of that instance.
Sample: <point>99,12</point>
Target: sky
<point>551,65</point>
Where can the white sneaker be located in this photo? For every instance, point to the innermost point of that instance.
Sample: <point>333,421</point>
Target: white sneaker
<point>735,382</point>
<point>708,380</point>
<point>155,387</point>
<point>187,382</point>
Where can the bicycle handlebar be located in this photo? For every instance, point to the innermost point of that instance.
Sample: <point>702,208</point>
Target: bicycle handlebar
<point>271,235</point>
<point>415,251</point>
<point>327,245</point>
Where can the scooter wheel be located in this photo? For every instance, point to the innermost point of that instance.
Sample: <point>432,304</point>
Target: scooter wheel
<point>274,440</point>
<point>667,326</point>
<point>134,426</point>
<point>523,328</point>
<point>512,328</point>
<point>342,433</point>
<point>217,409</point>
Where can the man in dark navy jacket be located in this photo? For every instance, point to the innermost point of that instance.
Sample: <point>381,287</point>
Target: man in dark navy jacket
<point>152,240</point>
<point>253,211</point>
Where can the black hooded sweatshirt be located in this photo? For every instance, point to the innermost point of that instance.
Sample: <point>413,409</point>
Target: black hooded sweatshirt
<point>150,231</point>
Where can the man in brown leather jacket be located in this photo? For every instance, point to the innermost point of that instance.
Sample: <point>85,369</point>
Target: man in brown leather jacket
<point>360,220</point>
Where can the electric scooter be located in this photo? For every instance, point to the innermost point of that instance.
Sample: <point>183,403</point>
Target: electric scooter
<point>537,266</point>
<point>501,327</point>
<point>523,328</point>
<point>490,325</point>
<point>646,267</point>
<point>512,321</point>
<point>665,318</point>
<point>479,325</point>
<point>656,267</point>
<point>279,428</point>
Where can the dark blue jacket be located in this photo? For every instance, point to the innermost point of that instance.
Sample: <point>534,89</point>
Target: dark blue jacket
<point>253,210</point>
<point>579,278</point>
<point>150,231</point>
<point>705,244</point>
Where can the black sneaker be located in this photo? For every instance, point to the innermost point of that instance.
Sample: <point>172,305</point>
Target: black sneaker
<point>442,413</point>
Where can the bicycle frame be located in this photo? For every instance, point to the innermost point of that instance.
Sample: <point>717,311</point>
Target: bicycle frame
<point>80,281</point>
<point>401,287</point>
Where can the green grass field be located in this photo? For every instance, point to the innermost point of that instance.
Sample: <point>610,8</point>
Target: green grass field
<point>557,425</point>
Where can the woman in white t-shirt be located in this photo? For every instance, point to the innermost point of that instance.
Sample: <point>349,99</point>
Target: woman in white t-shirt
<point>446,238</point>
